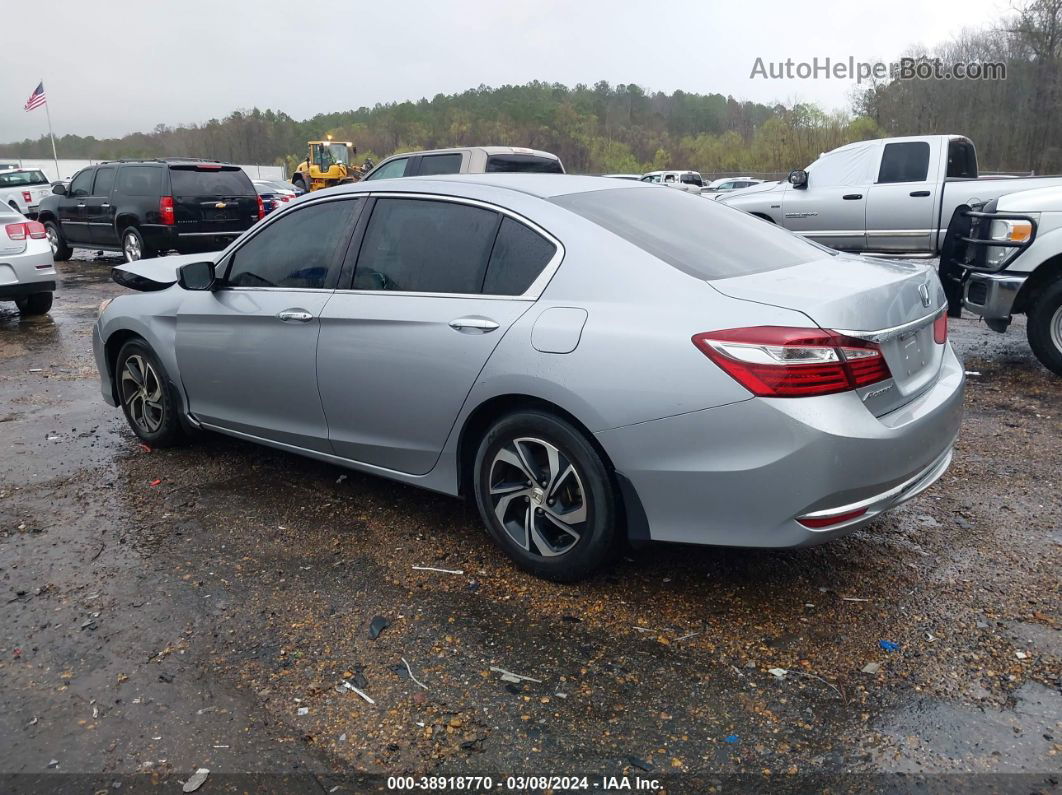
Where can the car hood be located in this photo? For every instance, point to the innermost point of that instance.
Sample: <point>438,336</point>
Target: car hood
<point>147,275</point>
<point>763,187</point>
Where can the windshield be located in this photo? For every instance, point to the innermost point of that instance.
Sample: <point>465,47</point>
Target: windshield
<point>14,178</point>
<point>339,154</point>
<point>701,238</point>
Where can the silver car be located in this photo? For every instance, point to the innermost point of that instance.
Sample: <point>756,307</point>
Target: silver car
<point>27,272</point>
<point>592,361</point>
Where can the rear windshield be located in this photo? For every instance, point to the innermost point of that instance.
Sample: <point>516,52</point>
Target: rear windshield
<point>528,164</point>
<point>226,182</point>
<point>697,236</point>
<point>22,178</point>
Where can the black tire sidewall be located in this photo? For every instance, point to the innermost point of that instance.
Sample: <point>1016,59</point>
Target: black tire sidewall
<point>170,431</point>
<point>35,304</point>
<point>63,251</point>
<point>1038,328</point>
<point>599,542</point>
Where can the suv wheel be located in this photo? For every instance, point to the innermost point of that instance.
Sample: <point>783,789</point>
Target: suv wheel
<point>1045,326</point>
<point>146,396</point>
<point>35,304</point>
<point>133,247</point>
<point>546,496</point>
<point>60,249</point>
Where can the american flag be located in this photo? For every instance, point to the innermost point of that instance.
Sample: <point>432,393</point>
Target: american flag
<point>36,99</point>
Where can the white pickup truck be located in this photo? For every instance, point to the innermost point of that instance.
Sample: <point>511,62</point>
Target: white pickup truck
<point>22,189</point>
<point>893,196</point>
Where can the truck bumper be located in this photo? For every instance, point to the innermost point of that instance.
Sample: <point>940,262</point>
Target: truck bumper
<point>991,295</point>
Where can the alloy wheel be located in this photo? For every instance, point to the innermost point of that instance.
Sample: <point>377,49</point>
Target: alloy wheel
<point>131,247</point>
<point>537,495</point>
<point>53,238</point>
<point>1055,327</point>
<point>142,394</point>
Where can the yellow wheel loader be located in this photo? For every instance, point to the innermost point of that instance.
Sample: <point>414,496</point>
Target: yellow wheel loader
<point>327,163</point>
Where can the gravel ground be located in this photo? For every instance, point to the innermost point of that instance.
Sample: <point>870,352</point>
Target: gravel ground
<point>220,618</point>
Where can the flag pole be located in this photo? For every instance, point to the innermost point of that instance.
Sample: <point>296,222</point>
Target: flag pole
<point>51,135</point>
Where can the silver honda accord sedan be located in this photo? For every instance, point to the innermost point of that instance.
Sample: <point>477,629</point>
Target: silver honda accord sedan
<point>593,362</point>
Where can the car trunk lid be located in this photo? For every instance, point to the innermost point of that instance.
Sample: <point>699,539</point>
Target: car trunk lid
<point>212,199</point>
<point>890,303</point>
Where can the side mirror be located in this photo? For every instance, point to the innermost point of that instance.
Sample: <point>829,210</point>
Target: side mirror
<point>59,189</point>
<point>196,276</point>
<point>798,179</point>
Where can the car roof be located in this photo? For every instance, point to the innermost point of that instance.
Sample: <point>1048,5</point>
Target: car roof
<point>488,150</point>
<point>543,186</point>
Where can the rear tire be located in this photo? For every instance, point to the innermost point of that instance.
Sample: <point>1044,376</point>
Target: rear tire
<point>1044,327</point>
<point>146,395</point>
<point>61,250</point>
<point>35,304</point>
<point>546,496</point>
<point>133,246</point>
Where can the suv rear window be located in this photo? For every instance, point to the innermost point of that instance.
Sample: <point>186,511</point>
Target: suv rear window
<point>528,164</point>
<point>699,237</point>
<point>222,182</point>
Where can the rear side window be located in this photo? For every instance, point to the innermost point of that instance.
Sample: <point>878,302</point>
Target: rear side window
<point>140,181</point>
<point>528,164</point>
<point>298,250</point>
<point>518,257</point>
<point>223,182</point>
<point>962,160</point>
<point>701,238</point>
<point>904,162</point>
<point>424,246</point>
<point>396,168</point>
<point>82,184</point>
<point>691,179</point>
<point>104,182</point>
<point>440,164</point>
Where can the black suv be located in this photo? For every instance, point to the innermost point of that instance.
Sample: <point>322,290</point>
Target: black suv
<point>145,207</point>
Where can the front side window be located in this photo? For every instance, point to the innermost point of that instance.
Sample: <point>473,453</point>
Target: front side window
<point>394,168</point>
<point>425,246</point>
<point>82,184</point>
<point>440,164</point>
<point>140,181</point>
<point>519,255</point>
<point>298,250</point>
<point>104,182</point>
<point>904,162</point>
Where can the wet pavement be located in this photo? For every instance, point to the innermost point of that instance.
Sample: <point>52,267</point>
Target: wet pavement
<point>212,619</point>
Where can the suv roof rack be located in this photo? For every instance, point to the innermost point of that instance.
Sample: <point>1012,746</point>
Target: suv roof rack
<point>161,160</point>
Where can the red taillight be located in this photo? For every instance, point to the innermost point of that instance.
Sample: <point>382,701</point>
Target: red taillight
<point>940,328</point>
<point>815,522</point>
<point>27,196</point>
<point>21,231</point>
<point>166,210</point>
<point>261,209</point>
<point>779,361</point>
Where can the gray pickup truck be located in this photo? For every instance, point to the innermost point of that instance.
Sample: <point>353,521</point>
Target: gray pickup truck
<point>892,196</point>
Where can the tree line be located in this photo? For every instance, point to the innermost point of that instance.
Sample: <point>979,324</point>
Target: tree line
<point>624,128</point>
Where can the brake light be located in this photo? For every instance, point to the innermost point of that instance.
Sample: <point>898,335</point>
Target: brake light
<point>261,209</point>
<point>166,210</point>
<point>208,167</point>
<point>30,229</point>
<point>940,328</point>
<point>27,196</point>
<point>779,361</point>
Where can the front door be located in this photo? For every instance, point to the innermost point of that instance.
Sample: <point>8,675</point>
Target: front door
<point>436,286</point>
<point>98,208</point>
<point>833,215</point>
<point>73,214</point>
<point>247,351</point>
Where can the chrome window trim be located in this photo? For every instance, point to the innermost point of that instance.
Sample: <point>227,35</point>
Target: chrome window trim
<point>534,290</point>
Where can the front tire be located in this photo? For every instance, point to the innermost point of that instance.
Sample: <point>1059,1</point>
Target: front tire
<point>1044,327</point>
<point>61,250</point>
<point>35,304</point>
<point>146,396</point>
<point>133,246</point>
<point>546,496</point>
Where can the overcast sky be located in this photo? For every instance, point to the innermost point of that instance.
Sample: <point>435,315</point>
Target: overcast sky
<point>127,65</point>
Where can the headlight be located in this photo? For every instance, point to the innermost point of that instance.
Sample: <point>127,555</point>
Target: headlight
<point>106,302</point>
<point>1013,231</point>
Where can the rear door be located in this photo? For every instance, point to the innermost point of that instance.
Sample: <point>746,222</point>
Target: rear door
<point>904,198</point>
<point>247,351</point>
<point>73,212</point>
<point>401,349</point>
<point>211,200</point>
<point>100,210</point>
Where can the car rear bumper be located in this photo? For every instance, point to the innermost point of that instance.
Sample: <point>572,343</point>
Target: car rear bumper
<point>742,474</point>
<point>31,271</point>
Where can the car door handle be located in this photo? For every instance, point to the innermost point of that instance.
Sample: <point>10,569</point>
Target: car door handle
<point>919,193</point>
<point>81,205</point>
<point>105,204</point>
<point>295,316</point>
<point>473,325</point>
<point>852,196</point>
